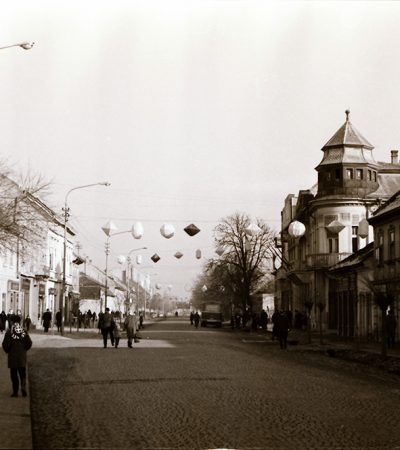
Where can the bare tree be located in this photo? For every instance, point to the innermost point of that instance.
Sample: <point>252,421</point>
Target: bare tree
<point>245,260</point>
<point>23,216</point>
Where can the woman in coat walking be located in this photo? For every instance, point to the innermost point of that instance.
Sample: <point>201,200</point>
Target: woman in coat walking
<point>16,343</point>
<point>131,328</point>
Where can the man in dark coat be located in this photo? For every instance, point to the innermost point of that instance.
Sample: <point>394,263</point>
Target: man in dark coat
<point>283,325</point>
<point>46,320</point>
<point>16,343</point>
<point>58,320</point>
<point>106,327</point>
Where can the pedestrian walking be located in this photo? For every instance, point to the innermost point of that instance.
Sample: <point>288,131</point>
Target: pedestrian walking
<point>46,318</point>
<point>391,324</point>
<point>141,321</point>
<point>27,323</point>
<point>117,333</point>
<point>196,319</point>
<point>283,325</point>
<point>263,319</point>
<point>16,343</point>
<point>106,327</point>
<point>191,317</point>
<point>3,320</point>
<point>58,320</point>
<point>130,326</point>
<point>10,319</point>
<point>274,319</point>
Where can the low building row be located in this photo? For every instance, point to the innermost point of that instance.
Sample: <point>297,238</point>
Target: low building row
<point>32,264</point>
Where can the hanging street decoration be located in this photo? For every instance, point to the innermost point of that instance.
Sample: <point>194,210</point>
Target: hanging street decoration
<point>138,259</point>
<point>121,259</point>
<point>363,228</point>
<point>252,230</point>
<point>137,230</point>
<point>167,230</point>
<point>155,258</point>
<point>335,227</point>
<point>178,255</point>
<point>220,251</point>
<point>158,286</point>
<point>109,227</point>
<point>296,229</point>
<point>204,288</point>
<point>191,229</point>
<point>198,253</point>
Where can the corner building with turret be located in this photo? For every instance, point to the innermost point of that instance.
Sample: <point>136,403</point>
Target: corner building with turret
<point>333,219</point>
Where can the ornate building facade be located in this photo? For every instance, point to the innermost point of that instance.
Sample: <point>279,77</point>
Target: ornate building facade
<point>334,216</point>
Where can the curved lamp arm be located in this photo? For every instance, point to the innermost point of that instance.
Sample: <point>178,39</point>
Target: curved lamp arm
<point>24,45</point>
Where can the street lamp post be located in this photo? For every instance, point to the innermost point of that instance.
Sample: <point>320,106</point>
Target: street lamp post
<point>108,229</point>
<point>66,216</point>
<point>25,45</point>
<point>128,274</point>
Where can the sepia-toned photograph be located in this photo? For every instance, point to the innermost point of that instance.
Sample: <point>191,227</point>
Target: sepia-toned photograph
<point>211,188</point>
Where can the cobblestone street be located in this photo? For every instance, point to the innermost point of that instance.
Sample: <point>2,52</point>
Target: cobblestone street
<point>182,388</point>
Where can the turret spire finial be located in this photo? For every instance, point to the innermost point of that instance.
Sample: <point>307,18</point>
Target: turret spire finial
<point>347,115</point>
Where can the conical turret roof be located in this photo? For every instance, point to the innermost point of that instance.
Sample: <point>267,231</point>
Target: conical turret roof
<point>347,135</point>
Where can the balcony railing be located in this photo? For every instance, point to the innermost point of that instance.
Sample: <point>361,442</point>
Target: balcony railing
<point>321,260</point>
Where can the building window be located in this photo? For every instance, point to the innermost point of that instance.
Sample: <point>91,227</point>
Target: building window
<point>392,249</point>
<point>350,173</point>
<point>379,249</point>
<point>359,174</point>
<point>333,244</point>
<point>354,239</point>
<point>337,174</point>
<point>369,175</point>
<point>328,176</point>
<point>375,176</point>
<point>51,261</point>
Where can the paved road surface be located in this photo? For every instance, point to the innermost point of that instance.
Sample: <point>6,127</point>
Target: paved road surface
<point>182,388</point>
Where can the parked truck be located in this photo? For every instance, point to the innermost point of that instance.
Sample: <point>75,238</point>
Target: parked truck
<point>211,314</point>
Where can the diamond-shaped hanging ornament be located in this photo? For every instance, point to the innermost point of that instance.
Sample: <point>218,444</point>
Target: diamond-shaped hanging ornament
<point>155,258</point>
<point>335,227</point>
<point>167,230</point>
<point>109,227</point>
<point>252,230</point>
<point>191,229</point>
<point>178,255</point>
<point>220,251</point>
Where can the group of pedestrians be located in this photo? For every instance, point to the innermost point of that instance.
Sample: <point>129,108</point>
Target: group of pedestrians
<point>194,318</point>
<point>110,328</point>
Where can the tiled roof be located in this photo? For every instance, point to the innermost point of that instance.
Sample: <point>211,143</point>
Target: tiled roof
<point>392,204</point>
<point>355,259</point>
<point>389,184</point>
<point>348,135</point>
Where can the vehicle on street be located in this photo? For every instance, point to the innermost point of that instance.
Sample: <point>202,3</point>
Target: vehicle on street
<point>211,314</point>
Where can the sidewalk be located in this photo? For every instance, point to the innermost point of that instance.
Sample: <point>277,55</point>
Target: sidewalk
<point>362,352</point>
<point>15,423</point>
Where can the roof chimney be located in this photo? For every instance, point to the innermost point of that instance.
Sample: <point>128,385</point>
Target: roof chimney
<point>394,156</point>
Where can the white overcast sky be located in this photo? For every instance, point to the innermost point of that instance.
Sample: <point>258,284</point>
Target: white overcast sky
<point>192,110</point>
